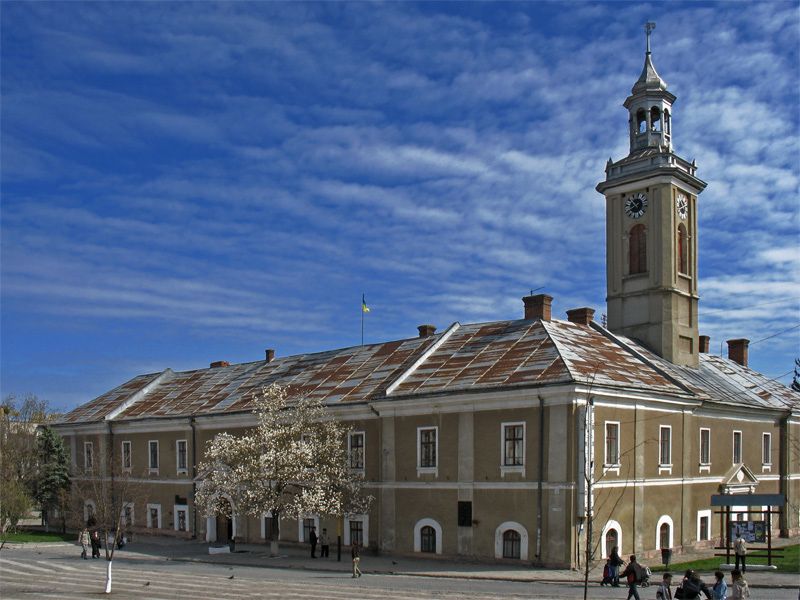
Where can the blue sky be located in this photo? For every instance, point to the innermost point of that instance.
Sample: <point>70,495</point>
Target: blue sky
<point>184,183</point>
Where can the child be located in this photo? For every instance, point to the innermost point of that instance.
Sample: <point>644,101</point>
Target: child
<point>664,592</point>
<point>607,578</point>
<point>739,587</point>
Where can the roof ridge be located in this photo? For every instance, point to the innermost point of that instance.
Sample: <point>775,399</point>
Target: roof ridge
<point>417,363</point>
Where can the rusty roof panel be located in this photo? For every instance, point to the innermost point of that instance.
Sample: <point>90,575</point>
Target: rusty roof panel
<point>477,357</point>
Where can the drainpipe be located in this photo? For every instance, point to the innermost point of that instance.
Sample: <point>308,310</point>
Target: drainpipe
<point>784,469</point>
<point>111,461</point>
<point>194,476</point>
<point>541,483</point>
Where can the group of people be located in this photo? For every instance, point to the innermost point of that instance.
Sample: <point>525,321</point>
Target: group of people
<point>692,586</point>
<point>324,549</point>
<point>87,538</point>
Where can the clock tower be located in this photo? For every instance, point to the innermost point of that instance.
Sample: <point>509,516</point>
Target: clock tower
<point>651,228</point>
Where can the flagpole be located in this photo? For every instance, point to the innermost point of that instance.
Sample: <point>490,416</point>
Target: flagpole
<point>362,319</point>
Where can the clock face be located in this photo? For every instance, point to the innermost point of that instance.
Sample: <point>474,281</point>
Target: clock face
<point>635,205</point>
<point>682,206</point>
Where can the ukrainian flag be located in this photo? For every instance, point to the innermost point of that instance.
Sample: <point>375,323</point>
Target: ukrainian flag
<point>364,307</point>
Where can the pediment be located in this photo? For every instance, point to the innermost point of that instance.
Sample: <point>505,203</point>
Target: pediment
<point>738,480</point>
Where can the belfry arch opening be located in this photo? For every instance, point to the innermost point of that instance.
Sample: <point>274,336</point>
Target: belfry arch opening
<point>641,121</point>
<point>655,119</point>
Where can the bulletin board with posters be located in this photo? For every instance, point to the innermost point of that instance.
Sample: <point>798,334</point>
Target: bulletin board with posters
<point>751,531</point>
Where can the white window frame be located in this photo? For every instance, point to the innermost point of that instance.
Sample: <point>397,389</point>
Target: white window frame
<point>705,466</point>
<point>268,515</point>
<point>88,465</point>
<point>300,536</point>
<point>427,470</point>
<point>608,466</point>
<point>147,515</point>
<point>700,515</point>
<point>365,528</point>
<point>523,542</point>
<point>766,461</point>
<point>668,520</point>
<point>86,505</point>
<point>133,514</point>
<point>664,467</point>
<point>733,447</point>
<point>178,469</point>
<point>418,534</point>
<point>504,468</point>
<point>611,524</point>
<point>350,437</point>
<point>183,507</point>
<point>129,454</point>
<point>150,468</point>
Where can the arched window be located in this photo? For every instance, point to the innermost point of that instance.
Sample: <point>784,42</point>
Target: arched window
<point>641,121</point>
<point>427,539</point>
<point>511,544</point>
<point>655,119</point>
<point>683,250</point>
<point>637,250</point>
<point>611,538</point>
<point>663,535</point>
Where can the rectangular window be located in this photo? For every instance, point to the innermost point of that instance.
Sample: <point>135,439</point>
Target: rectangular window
<point>180,452</point>
<point>705,446</point>
<point>513,444</point>
<point>427,449</point>
<point>127,515</point>
<point>181,514</point>
<point>154,516</point>
<point>88,456</point>
<point>307,525</point>
<point>152,446</point>
<point>766,449</point>
<point>356,450</point>
<point>665,446</point>
<point>737,447</point>
<point>705,532</point>
<point>465,514</point>
<point>612,443</point>
<point>356,532</point>
<point>126,456</point>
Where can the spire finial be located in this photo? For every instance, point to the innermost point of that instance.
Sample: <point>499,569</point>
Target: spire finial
<point>648,28</point>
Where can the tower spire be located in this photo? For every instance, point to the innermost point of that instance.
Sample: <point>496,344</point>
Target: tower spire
<point>648,28</point>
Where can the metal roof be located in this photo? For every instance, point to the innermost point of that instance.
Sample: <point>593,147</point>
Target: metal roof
<point>474,357</point>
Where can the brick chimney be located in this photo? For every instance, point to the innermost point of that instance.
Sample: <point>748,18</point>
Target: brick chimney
<point>705,344</point>
<point>537,307</point>
<point>219,363</point>
<point>269,354</point>
<point>426,330</point>
<point>582,316</point>
<point>737,351</point>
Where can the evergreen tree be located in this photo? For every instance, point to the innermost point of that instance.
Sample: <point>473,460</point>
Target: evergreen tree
<point>53,483</point>
<point>796,378</point>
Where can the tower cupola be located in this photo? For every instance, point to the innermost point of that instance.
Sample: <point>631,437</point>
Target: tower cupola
<point>650,107</point>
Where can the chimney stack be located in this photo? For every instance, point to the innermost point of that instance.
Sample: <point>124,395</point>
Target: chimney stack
<point>737,351</point>
<point>582,316</point>
<point>219,363</point>
<point>537,307</point>
<point>269,354</point>
<point>705,344</point>
<point>426,330</point>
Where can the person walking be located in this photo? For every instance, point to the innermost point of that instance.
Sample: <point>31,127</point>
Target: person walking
<point>312,537</point>
<point>324,546</point>
<point>355,552</point>
<point>95,544</point>
<point>739,588</point>
<point>720,589</point>
<point>692,586</point>
<point>740,547</point>
<point>83,540</point>
<point>615,563</point>
<point>632,576</point>
<point>664,592</point>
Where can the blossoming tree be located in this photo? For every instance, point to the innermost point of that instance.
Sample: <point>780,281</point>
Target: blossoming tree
<point>293,462</point>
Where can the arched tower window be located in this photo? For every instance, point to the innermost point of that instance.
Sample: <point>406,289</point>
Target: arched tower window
<point>641,121</point>
<point>667,123</point>
<point>637,250</point>
<point>683,250</point>
<point>655,119</point>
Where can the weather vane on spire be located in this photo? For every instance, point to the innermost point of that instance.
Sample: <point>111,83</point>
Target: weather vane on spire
<point>648,28</point>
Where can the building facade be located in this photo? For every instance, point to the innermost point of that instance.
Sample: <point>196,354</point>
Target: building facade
<point>498,440</point>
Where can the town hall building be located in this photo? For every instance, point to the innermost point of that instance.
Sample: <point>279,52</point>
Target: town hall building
<point>495,440</point>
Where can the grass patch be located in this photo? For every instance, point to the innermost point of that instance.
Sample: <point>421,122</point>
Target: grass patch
<point>788,563</point>
<point>38,536</point>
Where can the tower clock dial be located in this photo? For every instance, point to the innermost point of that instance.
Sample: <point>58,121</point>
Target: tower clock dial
<point>635,205</point>
<point>682,206</point>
